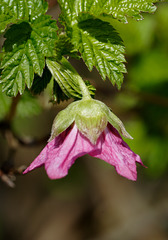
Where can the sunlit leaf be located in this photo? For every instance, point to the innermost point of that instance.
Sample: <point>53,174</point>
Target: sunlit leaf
<point>25,48</point>
<point>11,11</point>
<point>101,46</point>
<point>119,9</point>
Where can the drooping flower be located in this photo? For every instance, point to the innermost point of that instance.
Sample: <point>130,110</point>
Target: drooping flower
<point>86,127</point>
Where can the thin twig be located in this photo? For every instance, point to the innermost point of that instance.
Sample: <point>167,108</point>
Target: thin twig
<point>12,111</point>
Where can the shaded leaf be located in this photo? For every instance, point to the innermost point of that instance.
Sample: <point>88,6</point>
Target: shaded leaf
<point>65,47</point>
<point>40,83</point>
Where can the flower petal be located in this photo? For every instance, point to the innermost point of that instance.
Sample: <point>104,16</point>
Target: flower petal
<point>41,158</point>
<point>117,153</point>
<point>60,159</point>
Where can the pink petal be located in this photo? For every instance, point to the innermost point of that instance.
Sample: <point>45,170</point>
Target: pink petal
<point>60,159</point>
<point>40,160</point>
<point>117,153</point>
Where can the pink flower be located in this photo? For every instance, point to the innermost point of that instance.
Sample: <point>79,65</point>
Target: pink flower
<point>59,154</point>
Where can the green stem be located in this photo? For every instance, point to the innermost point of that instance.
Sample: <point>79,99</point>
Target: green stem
<point>84,89</point>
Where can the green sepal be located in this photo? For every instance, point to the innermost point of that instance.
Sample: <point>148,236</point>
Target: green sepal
<point>115,121</point>
<point>90,119</point>
<point>63,120</point>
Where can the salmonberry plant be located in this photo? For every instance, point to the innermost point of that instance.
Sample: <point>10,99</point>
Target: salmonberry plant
<point>35,52</point>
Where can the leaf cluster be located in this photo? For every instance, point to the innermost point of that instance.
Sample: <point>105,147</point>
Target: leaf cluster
<point>34,47</point>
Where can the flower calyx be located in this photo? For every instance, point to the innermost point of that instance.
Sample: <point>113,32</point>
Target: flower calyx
<point>91,118</point>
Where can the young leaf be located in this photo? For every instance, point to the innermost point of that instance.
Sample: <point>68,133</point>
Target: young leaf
<point>67,78</point>
<point>118,9</point>
<point>58,94</point>
<point>64,47</point>
<point>11,11</point>
<point>25,48</point>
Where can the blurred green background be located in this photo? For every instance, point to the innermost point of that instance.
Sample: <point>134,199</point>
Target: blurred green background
<point>93,202</point>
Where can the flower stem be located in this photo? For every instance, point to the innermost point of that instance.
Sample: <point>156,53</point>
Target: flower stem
<point>84,89</point>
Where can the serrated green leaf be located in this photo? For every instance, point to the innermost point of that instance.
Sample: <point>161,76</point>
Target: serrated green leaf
<point>100,46</point>
<point>11,11</point>
<point>118,9</point>
<point>67,78</point>
<point>25,49</point>
<point>96,40</point>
